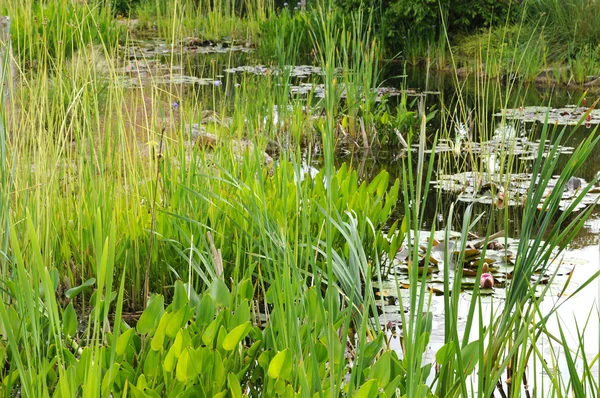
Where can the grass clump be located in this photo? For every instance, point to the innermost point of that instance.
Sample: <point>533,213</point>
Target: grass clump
<point>45,34</point>
<point>207,20</point>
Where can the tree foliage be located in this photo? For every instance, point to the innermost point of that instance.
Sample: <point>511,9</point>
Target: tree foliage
<point>425,20</point>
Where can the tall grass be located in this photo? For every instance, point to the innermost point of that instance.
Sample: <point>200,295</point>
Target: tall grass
<point>230,20</point>
<point>267,273</point>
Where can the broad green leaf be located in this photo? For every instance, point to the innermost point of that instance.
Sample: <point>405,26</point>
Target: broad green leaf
<point>194,299</point>
<point>445,353</point>
<point>180,297</point>
<point>321,352</point>
<point>221,338</point>
<point>368,390</point>
<point>142,383</point>
<point>182,341</point>
<point>380,371</point>
<point>470,357</point>
<point>158,340</point>
<point>242,314</point>
<point>234,385</point>
<point>186,368</point>
<point>218,370</point>
<point>136,392</point>
<point>70,321</point>
<point>206,311</point>
<point>390,389</point>
<point>123,341</point>
<point>280,386</point>
<point>177,321</point>
<point>245,290</point>
<point>234,337</point>
<point>170,360</point>
<point>281,365</point>
<point>264,359</point>
<point>74,291</point>
<point>371,349</point>
<point>151,315</point>
<point>211,331</point>
<point>220,293</point>
<point>153,364</point>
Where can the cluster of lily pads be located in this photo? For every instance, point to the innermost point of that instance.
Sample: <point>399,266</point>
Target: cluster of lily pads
<point>510,189</point>
<point>143,65</point>
<point>297,71</point>
<point>506,140</point>
<point>151,48</point>
<point>568,115</point>
<point>318,89</point>
<point>499,254</point>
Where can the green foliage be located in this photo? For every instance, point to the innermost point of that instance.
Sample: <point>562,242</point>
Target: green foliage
<point>268,271</point>
<point>414,22</point>
<point>570,25</point>
<point>285,30</point>
<point>204,19</point>
<point>585,63</point>
<point>284,205</point>
<point>197,348</point>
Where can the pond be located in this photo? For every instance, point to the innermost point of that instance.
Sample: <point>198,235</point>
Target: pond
<point>217,71</point>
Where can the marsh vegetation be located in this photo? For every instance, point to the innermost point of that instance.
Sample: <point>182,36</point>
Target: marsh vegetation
<point>253,198</point>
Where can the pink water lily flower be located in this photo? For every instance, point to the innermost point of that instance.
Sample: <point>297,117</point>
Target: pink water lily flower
<point>487,280</point>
